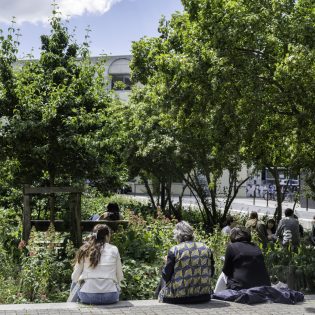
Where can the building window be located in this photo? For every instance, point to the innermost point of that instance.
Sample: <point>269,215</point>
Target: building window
<point>121,82</point>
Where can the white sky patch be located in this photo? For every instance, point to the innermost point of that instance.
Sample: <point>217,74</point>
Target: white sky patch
<point>39,11</point>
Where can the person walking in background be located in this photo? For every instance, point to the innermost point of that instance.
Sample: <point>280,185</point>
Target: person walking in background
<point>98,272</point>
<point>288,230</point>
<point>188,269</point>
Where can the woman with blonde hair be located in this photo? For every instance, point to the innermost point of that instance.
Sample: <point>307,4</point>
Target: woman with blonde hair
<point>98,269</point>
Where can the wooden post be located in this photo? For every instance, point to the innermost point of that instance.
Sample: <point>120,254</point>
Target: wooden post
<point>26,217</point>
<point>75,218</point>
<point>51,205</point>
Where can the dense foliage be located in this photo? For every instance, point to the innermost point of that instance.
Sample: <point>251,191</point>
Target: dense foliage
<point>54,115</point>
<point>226,83</point>
<point>40,272</point>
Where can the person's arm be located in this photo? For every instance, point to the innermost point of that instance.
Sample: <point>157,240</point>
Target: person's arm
<point>78,268</point>
<point>228,262</point>
<point>168,269</point>
<point>119,272</point>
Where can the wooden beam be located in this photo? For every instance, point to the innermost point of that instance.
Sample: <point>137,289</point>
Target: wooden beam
<point>88,225</point>
<point>75,218</point>
<point>51,190</point>
<point>85,225</point>
<point>26,218</point>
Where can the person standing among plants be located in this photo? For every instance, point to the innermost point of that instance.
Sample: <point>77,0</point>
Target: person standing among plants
<point>188,269</point>
<point>271,230</point>
<point>288,230</point>
<point>257,226</point>
<point>98,269</point>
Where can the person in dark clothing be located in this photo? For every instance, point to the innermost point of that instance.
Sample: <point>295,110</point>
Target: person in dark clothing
<point>258,226</point>
<point>112,213</point>
<point>244,265</point>
<point>271,230</point>
<point>312,236</point>
<point>301,229</point>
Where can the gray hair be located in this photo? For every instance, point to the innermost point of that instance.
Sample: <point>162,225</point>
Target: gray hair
<point>183,232</point>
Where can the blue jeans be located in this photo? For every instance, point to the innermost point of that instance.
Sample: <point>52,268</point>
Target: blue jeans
<point>98,298</point>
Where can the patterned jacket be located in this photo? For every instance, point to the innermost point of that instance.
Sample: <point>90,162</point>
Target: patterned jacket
<point>187,273</point>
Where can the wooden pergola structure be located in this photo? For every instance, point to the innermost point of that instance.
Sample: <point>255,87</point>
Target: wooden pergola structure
<point>75,225</point>
<point>61,226</point>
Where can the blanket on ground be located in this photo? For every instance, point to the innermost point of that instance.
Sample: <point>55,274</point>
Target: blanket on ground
<point>260,295</point>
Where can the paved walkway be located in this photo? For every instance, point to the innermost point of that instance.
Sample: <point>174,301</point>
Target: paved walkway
<point>152,307</point>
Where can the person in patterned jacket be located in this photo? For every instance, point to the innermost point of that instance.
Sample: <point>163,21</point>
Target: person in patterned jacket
<point>188,269</point>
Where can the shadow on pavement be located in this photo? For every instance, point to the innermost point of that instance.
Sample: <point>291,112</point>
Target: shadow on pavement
<point>208,305</point>
<point>155,304</point>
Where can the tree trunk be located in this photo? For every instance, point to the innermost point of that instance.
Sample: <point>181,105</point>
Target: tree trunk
<point>278,211</point>
<point>149,191</point>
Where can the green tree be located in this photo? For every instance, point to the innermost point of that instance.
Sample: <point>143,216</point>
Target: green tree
<point>57,128</point>
<point>237,80</point>
<point>182,89</point>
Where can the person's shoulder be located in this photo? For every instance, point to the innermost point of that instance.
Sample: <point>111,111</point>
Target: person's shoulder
<point>103,216</point>
<point>110,248</point>
<point>201,244</point>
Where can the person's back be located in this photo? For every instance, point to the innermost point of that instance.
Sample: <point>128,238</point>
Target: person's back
<point>106,268</point>
<point>254,225</point>
<point>112,213</point>
<point>193,269</point>
<point>244,266</point>
<point>288,229</point>
<point>188,269</point>
<point>98,271</point>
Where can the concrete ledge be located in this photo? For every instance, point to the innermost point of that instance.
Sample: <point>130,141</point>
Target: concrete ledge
<point>73,306</point>
<point>121,304</point>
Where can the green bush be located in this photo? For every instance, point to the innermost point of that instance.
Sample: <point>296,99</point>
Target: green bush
<point>46,271</point>
<point>45,274</point>
<point>296,268</point>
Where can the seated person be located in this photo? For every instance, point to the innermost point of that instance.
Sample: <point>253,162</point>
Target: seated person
<point>271,230</point>
<point>227,225</point>
<point>98,269</point>
<point>188,269</point>
<point>244,265</point>
<point>112,213</point>
<point>257,226</point>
